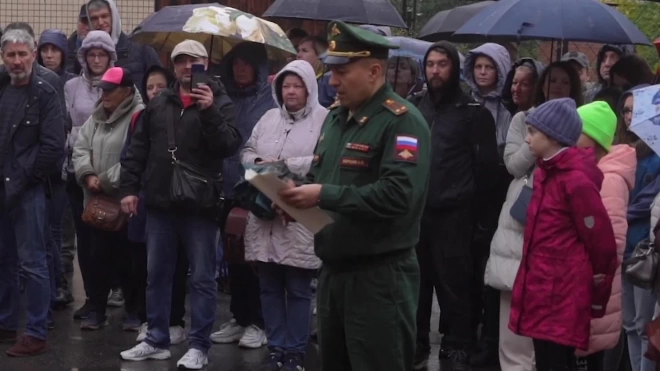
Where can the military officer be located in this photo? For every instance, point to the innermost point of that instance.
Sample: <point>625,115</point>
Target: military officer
<point>370,173</point>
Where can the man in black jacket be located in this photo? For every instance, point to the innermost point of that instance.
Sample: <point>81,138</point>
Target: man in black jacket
<point>32,143</point>
<point>463,158</point>
<point>204,135</point>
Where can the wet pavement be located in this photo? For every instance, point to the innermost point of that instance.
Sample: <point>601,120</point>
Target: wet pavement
<point>71,349</point>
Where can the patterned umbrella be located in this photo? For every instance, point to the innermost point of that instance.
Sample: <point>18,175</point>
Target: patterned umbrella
<point>216,26</point>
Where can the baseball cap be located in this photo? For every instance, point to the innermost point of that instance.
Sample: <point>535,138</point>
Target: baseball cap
<point>189,47</point>
<point>578,57</point>
<point>83,12</point>
<point>116,77</point>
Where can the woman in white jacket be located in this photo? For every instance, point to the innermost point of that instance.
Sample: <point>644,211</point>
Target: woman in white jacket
<point>286,252</point>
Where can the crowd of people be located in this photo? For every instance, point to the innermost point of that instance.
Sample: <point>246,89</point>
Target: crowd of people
<point>511,189</point>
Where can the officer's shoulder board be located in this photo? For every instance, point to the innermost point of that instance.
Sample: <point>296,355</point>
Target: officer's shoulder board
<point>395,107</point>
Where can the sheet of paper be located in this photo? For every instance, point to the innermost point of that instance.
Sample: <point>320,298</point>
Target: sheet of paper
<point>269,184</point>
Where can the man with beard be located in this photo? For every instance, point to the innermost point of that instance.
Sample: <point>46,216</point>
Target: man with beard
<point>32,142</point>
<point>370,173</point>
<point>463,154</point>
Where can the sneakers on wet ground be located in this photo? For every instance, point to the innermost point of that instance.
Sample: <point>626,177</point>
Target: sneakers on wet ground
<point>27,346</point>
<point>253,338</point>
<point>142,333</point>
<point>131,323</point>
<point>229,332</point>
<point>421,361</point>
<point>177,335</point>
<point>275,361</point>
<point>194,359</point>
<point>143,352</point>
<point>93,322</point>
<point>294,362</point>
<point>83,311</point>
<point>116,298</point>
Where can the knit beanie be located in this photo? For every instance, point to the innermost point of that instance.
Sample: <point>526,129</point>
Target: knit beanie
<point>559,120</point>
<point>598,123</point>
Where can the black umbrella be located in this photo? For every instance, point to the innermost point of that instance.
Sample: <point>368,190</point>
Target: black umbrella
<point>377,12</point>
<point>445,23</point>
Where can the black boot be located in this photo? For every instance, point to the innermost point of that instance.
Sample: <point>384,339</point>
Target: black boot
<point>485,356</point>
<point>459,360</point>
<point>421,358</point>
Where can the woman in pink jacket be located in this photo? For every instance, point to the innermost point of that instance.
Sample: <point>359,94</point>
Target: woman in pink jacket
<point>569,252</point>
<point>618,164</point>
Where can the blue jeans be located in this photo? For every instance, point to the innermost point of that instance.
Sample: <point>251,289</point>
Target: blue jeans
<point>638,306</point>
<point>22,242</point>
<point>286,299</point>
<point>165,230</point>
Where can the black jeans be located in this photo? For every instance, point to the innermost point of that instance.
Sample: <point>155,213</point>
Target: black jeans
<point>553,357</point>
<point>178,307</point>
<point>445,261</point>
<point>83,233</point>
<point>245,302</point>
<point>112,253</point>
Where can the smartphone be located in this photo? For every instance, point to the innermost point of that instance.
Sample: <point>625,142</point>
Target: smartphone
<point>198,75</point>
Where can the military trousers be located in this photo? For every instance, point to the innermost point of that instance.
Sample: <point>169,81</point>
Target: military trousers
<point>366,315</point>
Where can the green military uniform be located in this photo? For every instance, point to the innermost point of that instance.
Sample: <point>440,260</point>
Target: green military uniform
<point>373,165</point>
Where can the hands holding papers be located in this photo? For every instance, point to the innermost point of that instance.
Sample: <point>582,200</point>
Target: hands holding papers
<point>291,202</point>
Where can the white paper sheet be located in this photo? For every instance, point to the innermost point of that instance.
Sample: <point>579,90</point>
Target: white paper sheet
<point>269,184</point>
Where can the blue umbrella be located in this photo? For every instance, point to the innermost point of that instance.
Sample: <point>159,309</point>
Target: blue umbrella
<point>568,20</point>
<point>408,47</point>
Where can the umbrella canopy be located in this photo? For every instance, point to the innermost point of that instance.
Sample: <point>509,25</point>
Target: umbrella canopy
<point>216,26</point>
<point>646,116</point>
<point>408,47</point>
<point>376,12</point>
<point>569,20</point>
<point>443,24</point>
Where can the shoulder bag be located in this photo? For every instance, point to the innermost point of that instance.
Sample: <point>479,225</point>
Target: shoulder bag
<point>519,208</point>
<point>192,186</point>
<point>642,267</point>
<point>102,211</point>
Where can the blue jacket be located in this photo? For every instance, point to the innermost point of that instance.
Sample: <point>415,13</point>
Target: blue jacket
<point>647,186</point>
<point>35,140</point>
<point>251,102</point>
<point>327,93</point>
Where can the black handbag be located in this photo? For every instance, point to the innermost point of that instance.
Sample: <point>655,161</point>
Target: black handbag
<point>519,208</point>
<point>641,268</point>
<point>192,187</point>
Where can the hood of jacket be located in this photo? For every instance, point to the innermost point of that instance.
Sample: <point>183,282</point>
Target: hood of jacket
<point>116,21</point>
<point>96,40</point>
<point>507,97</point>
<point>575,159</point>
<point>169,76</point>
<point>621,50</point>
<point>58,39</point>
<point>126,107</point>
<point>622,161</point>
<point>254,54</point>
<point>305,71</point>
<point>499,55</point>
<point>452,90</point>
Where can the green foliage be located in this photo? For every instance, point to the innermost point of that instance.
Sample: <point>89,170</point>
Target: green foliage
<point>646,15</point>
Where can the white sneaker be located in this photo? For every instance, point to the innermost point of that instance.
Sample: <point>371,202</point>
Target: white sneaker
<point>177,335</point>
<point>142,333</point>
<point>193,360</point>
<point>229,332</point>
<point>253,338</point>
<point>144,351</point>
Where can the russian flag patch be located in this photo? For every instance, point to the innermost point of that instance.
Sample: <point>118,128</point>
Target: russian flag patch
<point>406,148</point>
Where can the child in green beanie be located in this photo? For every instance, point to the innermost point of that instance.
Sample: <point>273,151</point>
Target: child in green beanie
<point>618,164</point>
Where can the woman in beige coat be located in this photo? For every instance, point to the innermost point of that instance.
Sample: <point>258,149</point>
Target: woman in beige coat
<point>285,252</point>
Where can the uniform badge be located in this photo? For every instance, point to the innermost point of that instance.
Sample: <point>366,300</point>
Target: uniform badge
<point>357,147</point>
<point>360,163</point>
<point>321,137</point>
<point>332,46</point>
<point>363,120</point>
<point>335,30</point>
<point>316,159</point>
<point>406,148</point>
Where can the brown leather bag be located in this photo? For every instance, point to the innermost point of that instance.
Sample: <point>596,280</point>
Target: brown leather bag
<point>104,212</point>
<point>235,231</point>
